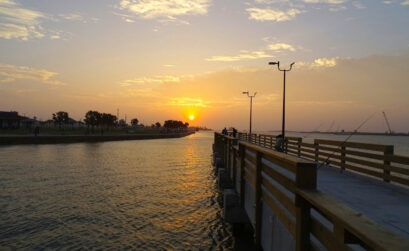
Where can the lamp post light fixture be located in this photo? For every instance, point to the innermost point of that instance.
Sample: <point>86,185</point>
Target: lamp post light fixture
<point>251,106</point>
<point>285,71</point>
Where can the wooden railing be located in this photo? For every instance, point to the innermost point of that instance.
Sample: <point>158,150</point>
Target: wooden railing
<point>287,186</point>
<point>377,161</point>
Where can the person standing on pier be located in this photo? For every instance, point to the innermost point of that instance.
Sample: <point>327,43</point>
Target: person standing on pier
<point>279,143</point>
<point>224,131</point>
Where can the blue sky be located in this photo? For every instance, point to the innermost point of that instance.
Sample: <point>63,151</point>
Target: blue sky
<point>105,49</point>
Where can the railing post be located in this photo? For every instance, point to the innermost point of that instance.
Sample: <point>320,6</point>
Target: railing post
<point>316,151</point>
<point>234,166</point>
<point>343,149</point>
<point>306,178</point>
<point>386,172</point>
<point>242,152</point>
<point>299,141</point>
<point>257,201</point>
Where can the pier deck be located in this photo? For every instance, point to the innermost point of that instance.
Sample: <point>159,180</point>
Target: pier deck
<point>385,203</point>
<point>358,201</point>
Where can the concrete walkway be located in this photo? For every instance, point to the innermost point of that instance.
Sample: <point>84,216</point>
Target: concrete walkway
<point>382,202</point>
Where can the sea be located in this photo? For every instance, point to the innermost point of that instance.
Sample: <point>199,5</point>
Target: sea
<point>127,195</point>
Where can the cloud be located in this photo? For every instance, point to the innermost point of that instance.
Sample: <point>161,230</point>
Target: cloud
<point>191,102</point>
<point>358,5</point>
<point>244,55</point>
<point>12,73</point>
<point>165,10</point>
<point>269,14</point>
<point>18,22</point>
<point>78,17</point>
<point>326,1</point>
<point>154,80</point>
<point>405,3</point>
<point>281,46</point>
<point>337,8</point>
<point>319,63</point>
<point>387,2</point>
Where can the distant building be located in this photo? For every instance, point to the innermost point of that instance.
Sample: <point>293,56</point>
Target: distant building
<point>10,120</point>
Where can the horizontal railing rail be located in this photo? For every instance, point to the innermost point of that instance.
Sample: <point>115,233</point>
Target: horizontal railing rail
<point>286,184</point>
<point>374,160</point>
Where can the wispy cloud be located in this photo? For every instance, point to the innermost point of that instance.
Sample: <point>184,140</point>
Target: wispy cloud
<point>326,1</point>
<point>192,102</point>
<point>18,22</point>
<point>320,63</point>
<point>269,14</point>
<point>281,47</point>
<point>165,10</point>
<point>244,55</point>
<point>154,80</point>
<point>405,3</point>
<point>13,73</point>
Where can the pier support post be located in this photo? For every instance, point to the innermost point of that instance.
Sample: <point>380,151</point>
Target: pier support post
<point>306,178</point>
<point>258,203</point>
<point>242,152</point>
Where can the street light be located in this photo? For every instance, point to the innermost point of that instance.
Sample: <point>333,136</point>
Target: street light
<point>251,105</point>
<point>284,70</point>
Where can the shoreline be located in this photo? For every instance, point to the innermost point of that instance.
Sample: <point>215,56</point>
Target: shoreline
<point>66,139</point>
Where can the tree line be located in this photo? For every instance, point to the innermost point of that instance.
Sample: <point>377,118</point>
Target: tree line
<point>106,120</point>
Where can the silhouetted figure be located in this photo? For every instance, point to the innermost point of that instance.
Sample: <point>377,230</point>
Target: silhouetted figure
<point>279,143</point>
<point>234,132</point>
<point>224,131</point>
<point>36,131</point>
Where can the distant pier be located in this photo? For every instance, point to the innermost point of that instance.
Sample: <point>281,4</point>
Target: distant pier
<point>358,199</point>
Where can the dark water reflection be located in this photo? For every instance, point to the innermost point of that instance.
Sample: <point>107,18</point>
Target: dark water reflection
<point>151,194</point>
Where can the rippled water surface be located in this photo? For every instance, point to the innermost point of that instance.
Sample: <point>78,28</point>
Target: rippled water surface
<point>147,194</point>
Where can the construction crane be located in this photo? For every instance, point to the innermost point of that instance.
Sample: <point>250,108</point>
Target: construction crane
<point>387,122</point>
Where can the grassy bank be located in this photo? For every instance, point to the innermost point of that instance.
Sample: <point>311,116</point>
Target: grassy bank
<point>61,139</point>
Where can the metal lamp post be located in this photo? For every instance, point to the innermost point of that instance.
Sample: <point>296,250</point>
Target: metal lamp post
<point>283,70</point>
<point>251,106</point>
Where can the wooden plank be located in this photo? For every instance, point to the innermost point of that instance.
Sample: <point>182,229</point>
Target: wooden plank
<point>326,237</point>
<point>400,180</point>
<point>279,163</point>
<point>280,196</point>
<point>307,144</point>
<point>250,158</point>
<point>373,147</point>
<point>365,154</point>
<point>250,169</point>
<point>310,156</point>
<point>292,160</point>
<point>398,159</point>
<point>286,182</point>
<point>281,215</point>
<point>364,170</point>
<point>250,179</point>
<point>365,162</point>
<point>369,232</point>
<point>401,170</point>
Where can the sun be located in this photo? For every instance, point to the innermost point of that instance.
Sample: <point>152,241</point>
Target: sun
<point>191,117</point>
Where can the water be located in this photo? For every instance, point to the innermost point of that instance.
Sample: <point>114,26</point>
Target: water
<point>148,194</point>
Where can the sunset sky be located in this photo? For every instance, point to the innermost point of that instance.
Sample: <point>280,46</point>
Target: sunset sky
<point>157,60</point>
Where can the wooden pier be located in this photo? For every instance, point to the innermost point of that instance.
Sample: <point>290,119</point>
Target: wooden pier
<point>285,202</point>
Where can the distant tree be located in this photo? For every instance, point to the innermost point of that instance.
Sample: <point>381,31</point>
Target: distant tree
<point>175,124</point>
<point>108,120</point>
<point>157,124</point>
<point>122,123</point>
<point>92,118</point>
<point>60,118</point>
<point>134,122</point>
<point>153,126</point>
